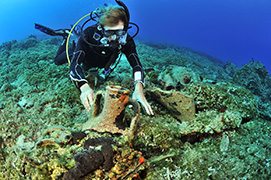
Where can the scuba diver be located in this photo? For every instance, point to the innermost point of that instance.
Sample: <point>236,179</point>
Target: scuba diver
<point>99,46</point>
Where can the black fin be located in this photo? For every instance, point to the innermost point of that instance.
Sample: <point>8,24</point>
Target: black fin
<point>59,32</point>
<point>45,29</point>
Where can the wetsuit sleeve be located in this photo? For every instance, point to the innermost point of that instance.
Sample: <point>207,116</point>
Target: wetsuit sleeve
<point>132,56</point>
<point>76,71</point>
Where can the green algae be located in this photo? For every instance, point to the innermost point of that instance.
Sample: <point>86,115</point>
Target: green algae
<point>205,160</point>
<point>228,139</point>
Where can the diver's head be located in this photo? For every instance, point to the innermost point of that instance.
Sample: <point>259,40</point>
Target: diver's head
<point>112,15</point>
<point>113,22</point>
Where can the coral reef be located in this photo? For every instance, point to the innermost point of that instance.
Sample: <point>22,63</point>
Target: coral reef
<point>246,157</point>
<point>231,68</point>
<point>40,114</point>
<point>255,77</point>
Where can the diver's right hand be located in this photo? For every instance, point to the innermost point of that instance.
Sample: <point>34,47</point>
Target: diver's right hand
<point>87,96</point>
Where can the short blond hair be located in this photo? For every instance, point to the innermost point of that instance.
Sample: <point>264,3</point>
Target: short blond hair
<point>112,15</point>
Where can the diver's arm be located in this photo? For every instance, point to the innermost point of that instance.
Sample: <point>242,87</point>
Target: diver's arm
<point>77,76</point>
<point>76,71</point>
<point>138,75</point>
<point>87,96</point>
<point>140,97</point>
<point>132,56</point>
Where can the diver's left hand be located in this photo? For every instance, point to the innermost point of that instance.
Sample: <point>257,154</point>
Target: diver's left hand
<point>139,96</point>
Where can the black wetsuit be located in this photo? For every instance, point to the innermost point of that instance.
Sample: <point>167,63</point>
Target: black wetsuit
<point>85,56</point>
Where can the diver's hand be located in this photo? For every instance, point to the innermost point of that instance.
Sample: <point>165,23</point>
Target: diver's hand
<point>139,96</point>
<point>87,96</point>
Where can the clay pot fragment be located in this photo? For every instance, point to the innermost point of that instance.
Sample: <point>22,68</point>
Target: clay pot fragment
<point>167,81</point>
<point>180,105</point>
<point>111,118</point>
<point>176,77</point>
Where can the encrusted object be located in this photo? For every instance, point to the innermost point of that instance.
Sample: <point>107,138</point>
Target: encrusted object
<point>59,134</point>
<point>111,117</point>
<point>167,81</point>
<point>102,159</point>
<point>180,105</point>
<point>172,77</point>
<point>85,162</point>
<point>128,164</point>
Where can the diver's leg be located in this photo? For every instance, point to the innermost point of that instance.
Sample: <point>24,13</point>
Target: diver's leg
<point>61,53</point>
<point>61,56</point>
<point>61,59</point>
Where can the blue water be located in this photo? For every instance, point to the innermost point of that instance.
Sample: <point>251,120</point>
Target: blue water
<point>230,30</point>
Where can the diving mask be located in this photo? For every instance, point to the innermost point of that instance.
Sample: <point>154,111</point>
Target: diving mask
<point>119,32</point>
<point>116,30</point>
<point>121,40</point>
